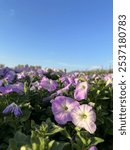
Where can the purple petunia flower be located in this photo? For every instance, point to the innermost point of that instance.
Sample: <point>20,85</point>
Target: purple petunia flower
<point>48,84</point>
<point>108,79</point>
<point>1,82</point>
<point>61,91</point>
<point>65,80</point>
<point>31,74</point>
<point>61,108</point>
<point>17,87</point>
<point>13,108</point>
<point>5,89</point>
<point>21,75</point>
<point>35,85</point>
<point>93,148</point>
<point>81,91</point>
<point>10,75</point>
<point>84,117</point>
<point>41,72</point>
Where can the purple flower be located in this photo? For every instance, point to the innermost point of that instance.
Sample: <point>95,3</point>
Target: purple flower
<point>107,76</point>
<point>81,91</point>
<point>76,81</point>
<point>61,91</point>
<point>31,73</point>
<point>68,80</point>
<point>87,77</point>
<point>10,76</point>
<point>1,82</point>
<point>21,75</point>
<point>18,88</point>
<point>84,117</point>
<point>61,108</point>
<point>35,85</point>
<point>13,108</point>
<point>40,72</point>
<point>108,79</point>
<point>65,80</point>
<point>93,148</point>
<point>48,84</point>
<point>5,89</point>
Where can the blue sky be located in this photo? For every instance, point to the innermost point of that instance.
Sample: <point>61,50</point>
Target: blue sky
<point>72,34</point>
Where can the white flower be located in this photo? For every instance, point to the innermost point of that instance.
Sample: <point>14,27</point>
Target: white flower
<point>83,116</point>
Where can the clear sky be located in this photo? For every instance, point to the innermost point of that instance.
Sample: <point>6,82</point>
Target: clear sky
<point>72,34</point>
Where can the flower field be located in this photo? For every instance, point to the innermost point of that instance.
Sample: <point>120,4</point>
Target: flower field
<point>49,109</point>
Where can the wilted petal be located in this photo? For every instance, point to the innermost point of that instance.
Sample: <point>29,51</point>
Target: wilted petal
<point>13,108</point>
<point>17,111</point>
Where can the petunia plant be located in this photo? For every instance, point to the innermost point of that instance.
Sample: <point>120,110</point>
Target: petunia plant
<point>49,109</point>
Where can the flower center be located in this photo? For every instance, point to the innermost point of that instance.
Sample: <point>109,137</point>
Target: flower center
<point>14,105</point>
<point>83,116</point>
<point>83,87</point>
<point>65,107</point>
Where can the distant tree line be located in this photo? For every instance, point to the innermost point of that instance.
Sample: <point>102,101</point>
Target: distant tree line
<point>99,71</point>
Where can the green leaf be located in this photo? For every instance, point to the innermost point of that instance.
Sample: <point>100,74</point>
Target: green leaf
<point>53,145</point>
<point>83,139</point>
<point>12,145</point>
<point>105,98</point>
<point>66,134</point>
<point>55,129</point>
<point>96,140</point>
<point>76,146</point>
<point>19,140</point>
<point>26,115</point>
<point>25,87</point>
<point>52,128</point>
<point>19,136</point>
